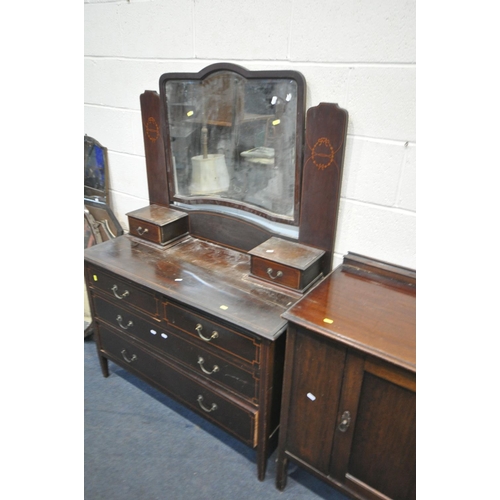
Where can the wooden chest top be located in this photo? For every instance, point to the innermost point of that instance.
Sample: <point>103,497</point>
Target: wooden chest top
<point>373,317</point>
<point>209,277</point>
<point>288,253</point>
<point>157,214</point>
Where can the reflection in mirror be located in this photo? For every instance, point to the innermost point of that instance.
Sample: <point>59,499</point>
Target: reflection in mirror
<point>94,169</point>
<point>234,139</point>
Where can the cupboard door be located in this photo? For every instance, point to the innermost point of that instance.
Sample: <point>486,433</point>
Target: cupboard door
<point>375,455</point>
<point>314,397</point>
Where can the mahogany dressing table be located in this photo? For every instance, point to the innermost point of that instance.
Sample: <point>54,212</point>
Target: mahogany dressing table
<point>244,192</point>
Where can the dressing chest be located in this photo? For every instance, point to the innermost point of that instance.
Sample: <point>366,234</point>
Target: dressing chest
<point>244,190</point>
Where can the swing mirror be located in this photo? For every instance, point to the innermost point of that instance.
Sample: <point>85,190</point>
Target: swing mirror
<point>234,140</point>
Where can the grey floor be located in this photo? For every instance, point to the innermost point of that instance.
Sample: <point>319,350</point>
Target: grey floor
<point>142,445</point>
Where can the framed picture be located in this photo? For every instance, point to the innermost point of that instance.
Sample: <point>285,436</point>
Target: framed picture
<point>91,230</point>
<point>99,222</point>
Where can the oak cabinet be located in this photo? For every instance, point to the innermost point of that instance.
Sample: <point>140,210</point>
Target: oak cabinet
<point>349,403</point>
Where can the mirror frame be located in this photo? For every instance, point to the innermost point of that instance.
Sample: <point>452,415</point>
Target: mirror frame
<point>176,199</point>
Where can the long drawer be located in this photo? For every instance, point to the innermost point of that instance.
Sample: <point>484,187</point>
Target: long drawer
<point>237,376</point>
<point>213,367</point>
<point>123,292</point>
<point>212,333</point>
<point>236,418</point>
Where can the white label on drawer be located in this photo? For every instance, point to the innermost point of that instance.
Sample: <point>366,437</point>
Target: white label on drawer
<point>311,396</point>
<point>164,335</point>
<point>178,279</point>
<point>328,320</point>
<point>153,332</point>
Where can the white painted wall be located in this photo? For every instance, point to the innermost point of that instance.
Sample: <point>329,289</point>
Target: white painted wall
<point>358,53</point>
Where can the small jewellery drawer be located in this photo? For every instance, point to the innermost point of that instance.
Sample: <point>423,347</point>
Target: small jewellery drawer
<point>157,224</point>
<point>213,334</point>
<point>286,263</point>
<point>123,292</point>
<point>276,273</point>
<point>144,230</point>
<point>238,419</point>
<point>124,320</point>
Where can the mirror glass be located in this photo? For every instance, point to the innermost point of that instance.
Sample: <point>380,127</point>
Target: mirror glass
<point>95,162</point>
<point>233,141</point>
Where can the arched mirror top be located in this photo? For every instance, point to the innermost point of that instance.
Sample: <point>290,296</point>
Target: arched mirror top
<point>234,139</point>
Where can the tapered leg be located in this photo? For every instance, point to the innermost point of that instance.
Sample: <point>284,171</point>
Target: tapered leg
<point>281,472</point>
<point>270,398</point>
<point>261,462</point>
<point>104,364</point>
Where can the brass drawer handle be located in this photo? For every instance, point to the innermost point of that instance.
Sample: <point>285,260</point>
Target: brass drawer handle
<point>203,407</point>
<point>279,274</point>
<point>114,289</point>
<point>119,320</point>
<point>127,359</point>
<point>214,335</point>
<point>345,422</point>
<point>215,369</point>
<point>142,231</point>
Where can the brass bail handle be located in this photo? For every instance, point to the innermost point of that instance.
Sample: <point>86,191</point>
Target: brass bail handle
<point>126,358</point>
<point>201,361</point>
<point>114,289</point>
<point>213,407</point>
<point>214,335</point>
<point>119,320</point>
<point>270,271</point>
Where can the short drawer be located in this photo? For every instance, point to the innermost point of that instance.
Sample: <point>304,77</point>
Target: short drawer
<point>213,334</point>
<point>125,320</point>
<point>237,419</point>
<point>122,292</point>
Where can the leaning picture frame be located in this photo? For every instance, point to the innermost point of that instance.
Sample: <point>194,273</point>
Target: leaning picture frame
<point>91,232</point>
